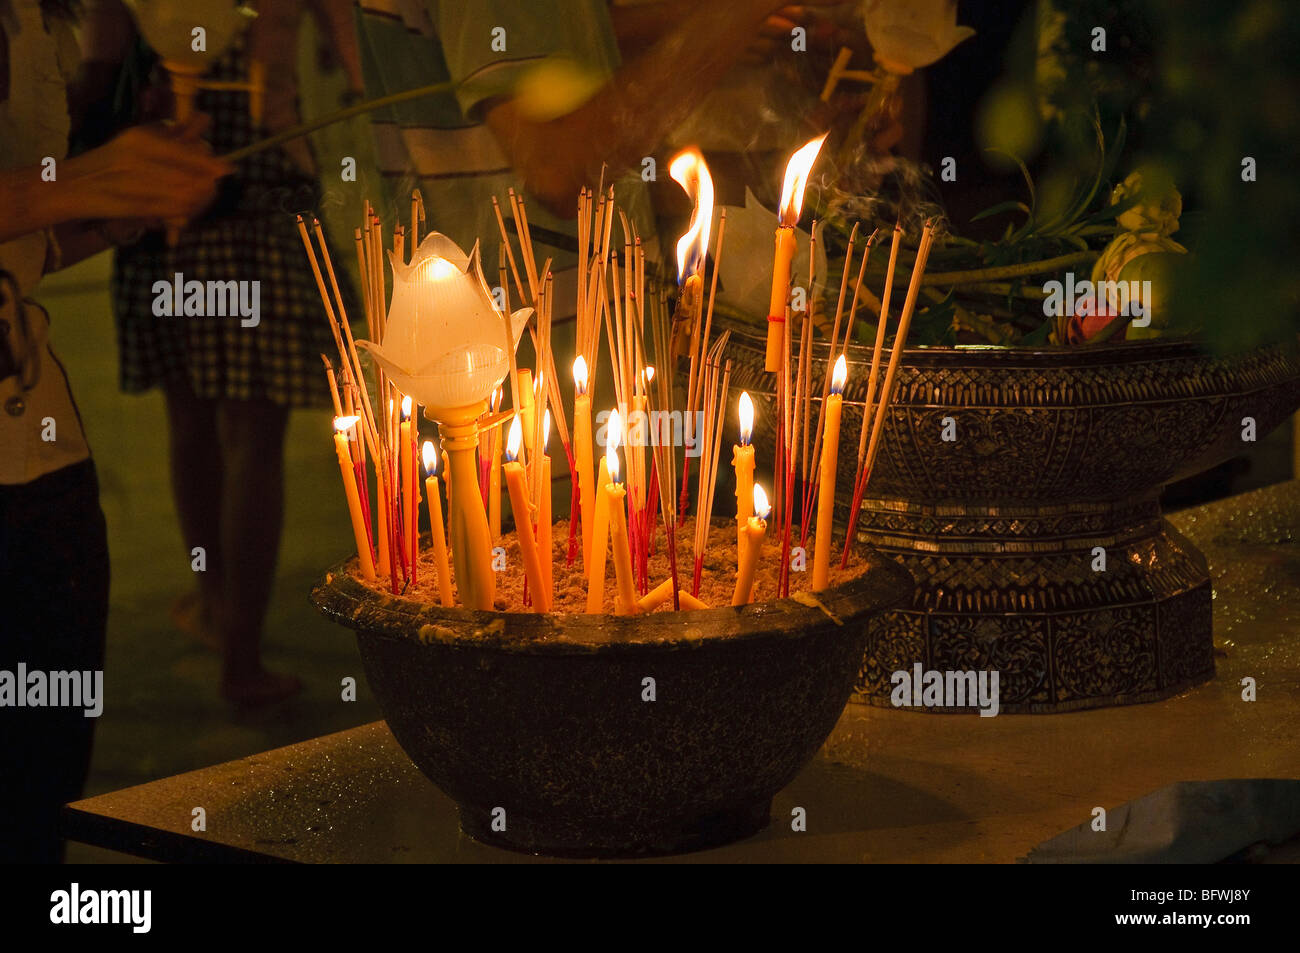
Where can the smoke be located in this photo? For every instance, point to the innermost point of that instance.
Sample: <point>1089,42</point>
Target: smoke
<point>877,190</point>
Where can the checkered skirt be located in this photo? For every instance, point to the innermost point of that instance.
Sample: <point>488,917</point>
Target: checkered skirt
<point>249,235</point>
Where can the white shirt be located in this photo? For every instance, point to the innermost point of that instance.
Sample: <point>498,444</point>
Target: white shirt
<point>33,125</point>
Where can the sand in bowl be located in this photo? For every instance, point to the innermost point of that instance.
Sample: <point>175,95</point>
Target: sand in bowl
<point>717,579</point>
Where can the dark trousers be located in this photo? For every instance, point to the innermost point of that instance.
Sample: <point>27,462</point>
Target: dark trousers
<point>53,617</point>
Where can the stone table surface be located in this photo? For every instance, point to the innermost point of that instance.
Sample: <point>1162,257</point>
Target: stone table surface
<point>887,786</point>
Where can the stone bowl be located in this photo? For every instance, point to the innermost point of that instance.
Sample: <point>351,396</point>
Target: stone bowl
<point>1020,487</point>
<point>606,736</point>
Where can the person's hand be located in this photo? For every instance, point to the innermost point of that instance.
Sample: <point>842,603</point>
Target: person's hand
<point>775,32</point>
<point>149,172</point>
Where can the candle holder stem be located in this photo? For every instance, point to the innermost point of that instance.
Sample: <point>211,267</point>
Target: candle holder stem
<point>471,541</point>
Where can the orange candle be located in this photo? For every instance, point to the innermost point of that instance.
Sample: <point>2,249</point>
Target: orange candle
<point>514,474</point>
<point>755,529</point>
<point>792,189</point>
<point>341,427</point>
<point>826,477</point>
<point>437,531</point>
<point>599,545</point>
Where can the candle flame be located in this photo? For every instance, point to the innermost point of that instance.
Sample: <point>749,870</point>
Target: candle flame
<point>762,508</point>
<point>580,374</point>
<point>430,455</point>
<point>344,424</point>
<point>689,170</point>
<point>512,442</point>
<point>406,408</point>
<point>840,375</point>
<point>649,373</point>
<point>613,431</point>
<point>796,178</point>
<point>546,429</point>
<point>746,418</point>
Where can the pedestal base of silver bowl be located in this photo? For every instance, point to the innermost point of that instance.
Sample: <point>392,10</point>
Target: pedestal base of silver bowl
<point>1023,592</point>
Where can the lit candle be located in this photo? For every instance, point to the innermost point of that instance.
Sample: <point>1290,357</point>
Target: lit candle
<point>583,457</point>
<point>689,170</point>
<point>599,545</point>
<point>341,427</point>
<point>514,474</point>
<point>792,189</point>
<point>545,550</point>
<point>436,528</point>
<point>615,495</point>
<point>742,461</point>
<point>526,406</point>
<point>755,529</point>
<point>494,483</point>
<point>826,477</point>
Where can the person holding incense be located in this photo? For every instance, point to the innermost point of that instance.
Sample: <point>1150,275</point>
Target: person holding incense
<point>230,380</point>
<point>53,541</point>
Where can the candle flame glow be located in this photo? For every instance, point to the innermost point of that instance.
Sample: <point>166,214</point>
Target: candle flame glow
<point>580,374</point>
<point>796,178</point>
<point>430,455</point>
<point>512,442</point>
<point>649,373</point>
<point>613,432</point>
<point>762,508</point>
<point>689,170</point>
<point>344,424</point>
<point>406,407</point>
<point>437,269</point>
<point>546,429</point>
<point>839,376</point>
<point>746,418</point>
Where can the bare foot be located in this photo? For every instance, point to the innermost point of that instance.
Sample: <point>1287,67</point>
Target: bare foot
<point>189,613</point>
<point>262,687</point>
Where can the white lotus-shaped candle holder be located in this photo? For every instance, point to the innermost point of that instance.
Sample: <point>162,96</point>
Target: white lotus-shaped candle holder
<point>909,34</point>
<point>168,27</point>
<point>445,341</point>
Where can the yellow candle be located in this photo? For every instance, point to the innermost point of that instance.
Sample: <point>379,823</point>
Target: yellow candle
<point>341,427</point>
<point>615,505</point>
<point>583,457</point>
<point>742,461</point>
<point>544,548</point>
<point>494,483</point>
<point>625,599</point>
<point>514,474</point>
<point>688,601</point>
<point>656,597</point>
<point>755,529</point>
<point>526,407</point>
<point>437,531</point>
<point>826,477</point>
<point>792,189</point>
<point>599,546</point>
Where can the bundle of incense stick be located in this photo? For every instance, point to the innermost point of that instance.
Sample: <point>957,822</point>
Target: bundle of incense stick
<point>878,411</point>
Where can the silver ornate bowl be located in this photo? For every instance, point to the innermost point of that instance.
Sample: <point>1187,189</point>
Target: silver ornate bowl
<point>1059,457</point>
